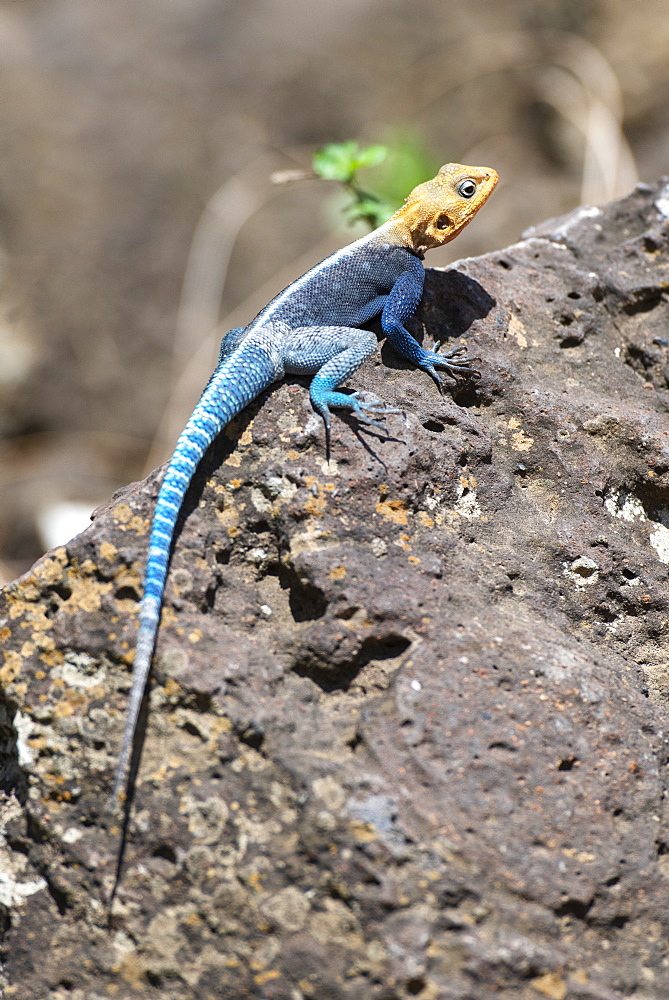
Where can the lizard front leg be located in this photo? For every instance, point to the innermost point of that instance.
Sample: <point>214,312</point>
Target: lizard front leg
<point>401,304</point>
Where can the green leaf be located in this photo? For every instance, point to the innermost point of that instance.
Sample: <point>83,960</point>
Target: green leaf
<point>407,164</point>
<point>371,156</point>
<point>369,210</point>
<point>339,161</point>
<point>336,161</point>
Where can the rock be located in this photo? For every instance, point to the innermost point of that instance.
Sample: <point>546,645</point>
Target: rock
<point>407,721</point>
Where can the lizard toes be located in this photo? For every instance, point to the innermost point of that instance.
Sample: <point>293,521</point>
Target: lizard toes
<point>449,354</point>
<point>371,405</point>
<point>458,368</point>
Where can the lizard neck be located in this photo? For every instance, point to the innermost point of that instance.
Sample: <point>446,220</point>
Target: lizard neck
<point>396,232</point>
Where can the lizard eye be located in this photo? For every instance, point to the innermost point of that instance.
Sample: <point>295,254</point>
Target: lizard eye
<point>443,222</point>
<point>466,188</point>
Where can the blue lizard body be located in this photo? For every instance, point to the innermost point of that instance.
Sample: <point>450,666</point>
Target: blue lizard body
<point>311,327</point>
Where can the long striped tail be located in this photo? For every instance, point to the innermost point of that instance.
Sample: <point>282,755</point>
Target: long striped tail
<point>235,383</point>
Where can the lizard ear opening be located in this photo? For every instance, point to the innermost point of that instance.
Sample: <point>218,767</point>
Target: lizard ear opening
<point>443,222</point>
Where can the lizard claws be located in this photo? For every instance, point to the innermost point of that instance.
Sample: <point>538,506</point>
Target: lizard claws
<point>452,363</point>
<point>360,407</point>
<point>373,405</point>
<point>449,354</point>
<point>363,408</point>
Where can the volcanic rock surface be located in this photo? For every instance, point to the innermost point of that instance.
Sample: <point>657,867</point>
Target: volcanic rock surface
<point>407,724</point>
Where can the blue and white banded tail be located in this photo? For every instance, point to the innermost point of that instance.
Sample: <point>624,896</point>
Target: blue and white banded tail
<point>236,382</point>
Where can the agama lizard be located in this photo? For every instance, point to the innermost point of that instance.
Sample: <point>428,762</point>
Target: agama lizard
<point>313,327</point>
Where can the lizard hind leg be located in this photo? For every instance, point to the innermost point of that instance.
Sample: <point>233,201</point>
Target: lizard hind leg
<point>333,354</point>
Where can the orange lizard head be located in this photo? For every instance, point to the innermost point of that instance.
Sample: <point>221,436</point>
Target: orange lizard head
<point>436,211</point>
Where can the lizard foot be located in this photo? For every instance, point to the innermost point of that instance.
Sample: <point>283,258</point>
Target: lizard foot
<point>365,410</point>
<point>460,367</point>
<point>364,407</point>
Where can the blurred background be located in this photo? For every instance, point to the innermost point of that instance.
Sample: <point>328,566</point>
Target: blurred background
<point>137,211</point>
